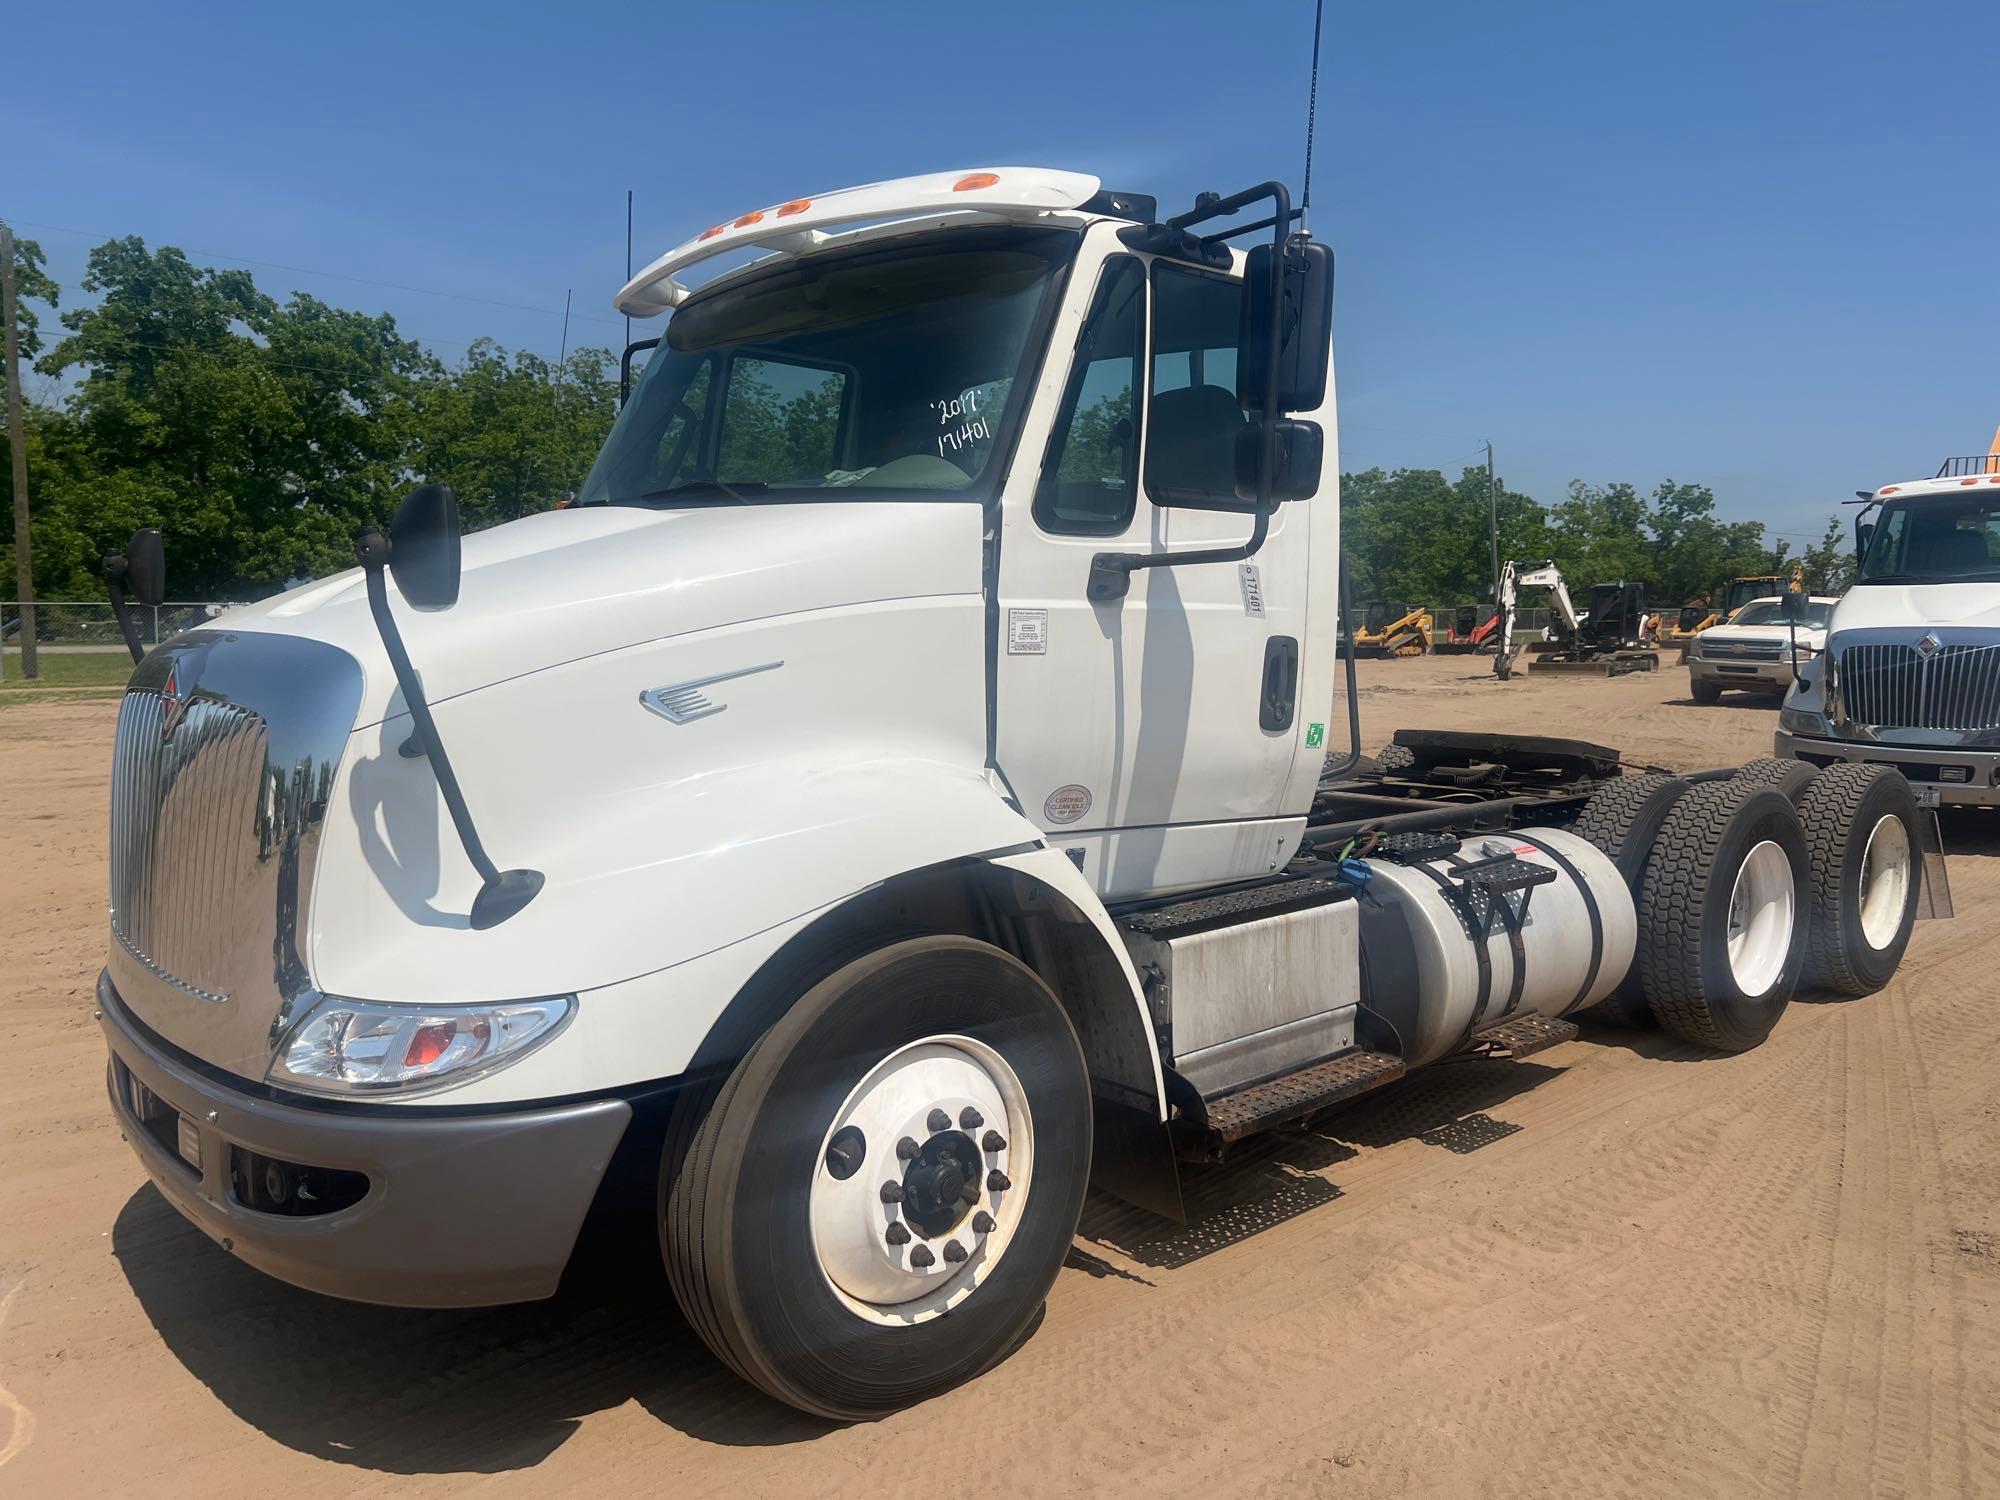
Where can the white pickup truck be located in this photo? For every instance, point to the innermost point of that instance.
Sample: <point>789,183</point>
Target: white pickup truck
<point>911,758</point>
<point>1757,648</point>
<point>1910,677</point>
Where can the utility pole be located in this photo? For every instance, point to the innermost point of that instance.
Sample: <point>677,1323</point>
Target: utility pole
<point>17,440</point>
<point>1493,519</point>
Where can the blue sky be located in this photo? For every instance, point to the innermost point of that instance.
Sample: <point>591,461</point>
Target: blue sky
<point>1751,245</point>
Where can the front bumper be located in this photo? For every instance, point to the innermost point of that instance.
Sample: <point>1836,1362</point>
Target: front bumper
<point>459,1210</point>
<point>1740,674</point>
<point>1925,766</point>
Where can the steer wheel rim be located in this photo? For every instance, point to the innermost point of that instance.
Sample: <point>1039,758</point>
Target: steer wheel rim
<point>1762,903</point>
<point>1885,881</point>
<point>945,1194</point>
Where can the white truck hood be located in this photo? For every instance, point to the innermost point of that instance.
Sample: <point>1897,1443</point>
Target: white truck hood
<point>1904,611</point>
<point>564,585</point>
<point>1809,635</point>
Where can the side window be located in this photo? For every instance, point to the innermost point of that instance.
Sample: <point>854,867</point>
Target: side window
<point>1090,473</point>
<point>679,454</point>
<point>1192,415</point>
<point>780,422</point>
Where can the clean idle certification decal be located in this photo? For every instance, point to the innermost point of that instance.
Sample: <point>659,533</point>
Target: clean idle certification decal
<point>1027,632</point>
<point>1067,803</point>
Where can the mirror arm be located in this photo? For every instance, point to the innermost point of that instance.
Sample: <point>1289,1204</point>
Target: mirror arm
<point>1111,572</point>
<point>114,580</point>
<point>501,892</point>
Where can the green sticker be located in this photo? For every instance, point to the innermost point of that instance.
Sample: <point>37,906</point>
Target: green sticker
<point>1315,736</point>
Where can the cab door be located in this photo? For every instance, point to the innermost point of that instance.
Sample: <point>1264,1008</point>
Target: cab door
<point>1152,737</point>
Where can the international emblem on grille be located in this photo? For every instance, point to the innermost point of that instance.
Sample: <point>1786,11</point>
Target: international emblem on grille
<point>173,704</point>
<point>1929,646</point>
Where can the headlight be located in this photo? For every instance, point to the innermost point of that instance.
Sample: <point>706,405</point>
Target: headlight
<point>363,1047</point>
<point>1804,721</point>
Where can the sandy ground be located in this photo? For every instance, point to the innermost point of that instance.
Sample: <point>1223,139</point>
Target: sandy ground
<point>1620,1267</point>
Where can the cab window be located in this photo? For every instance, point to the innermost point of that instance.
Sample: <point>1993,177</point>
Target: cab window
<point>1090,473</point>
<point>1193,414</point>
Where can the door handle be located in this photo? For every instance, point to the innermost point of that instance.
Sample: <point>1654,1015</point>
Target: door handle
<point>1281,683</point>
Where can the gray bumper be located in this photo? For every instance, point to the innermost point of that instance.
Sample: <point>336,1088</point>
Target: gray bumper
<point>459,1211</point>
<point>1742,674</point>
<point>1924,765</point>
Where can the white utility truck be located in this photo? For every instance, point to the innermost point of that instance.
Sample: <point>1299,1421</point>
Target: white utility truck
<point>908,762</point>
<point>1910,677</point>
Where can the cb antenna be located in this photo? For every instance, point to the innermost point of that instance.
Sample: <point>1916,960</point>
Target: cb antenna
<point>1312,112</point>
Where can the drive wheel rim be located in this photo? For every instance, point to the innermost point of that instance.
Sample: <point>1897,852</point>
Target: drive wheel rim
<point>922,1180</point>
<point>1762,903</point>
<point>1885,881</point>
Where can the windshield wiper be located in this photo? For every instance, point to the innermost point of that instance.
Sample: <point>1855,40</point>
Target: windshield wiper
<point>734,491</point>
<point>1986,576</point>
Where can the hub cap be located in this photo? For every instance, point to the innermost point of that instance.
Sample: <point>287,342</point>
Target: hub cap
<point>927,1213</point>
<point>1761,908</point>
<point>1885,881</point>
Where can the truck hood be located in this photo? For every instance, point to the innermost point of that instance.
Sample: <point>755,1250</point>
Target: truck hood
<point>565,585</point>
<point>1905,611</point>
<point>1809,635</point>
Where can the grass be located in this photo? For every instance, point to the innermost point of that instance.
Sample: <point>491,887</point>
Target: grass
<point>64,669</point>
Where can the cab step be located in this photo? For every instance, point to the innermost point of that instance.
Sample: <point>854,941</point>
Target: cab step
<point>1263,1105</point>
<point>1523,1036</point>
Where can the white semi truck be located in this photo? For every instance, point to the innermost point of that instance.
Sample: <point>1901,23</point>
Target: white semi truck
<point>908,759</point>
<point>1910,676</point>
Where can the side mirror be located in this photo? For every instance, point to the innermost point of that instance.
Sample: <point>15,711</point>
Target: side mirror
<point>146,566</point>
<point>1864,533</point>
<point>1301,453</point>
<point>1305,321</point>
<point>423,547</point>
<point>1792,607</point>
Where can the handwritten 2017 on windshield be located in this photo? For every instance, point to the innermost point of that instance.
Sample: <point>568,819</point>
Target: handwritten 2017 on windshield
<point>971,428</point>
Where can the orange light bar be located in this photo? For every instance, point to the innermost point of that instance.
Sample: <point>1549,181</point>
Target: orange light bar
<point>973,181</point>
<point>796,206</point>
<point>756,216</point>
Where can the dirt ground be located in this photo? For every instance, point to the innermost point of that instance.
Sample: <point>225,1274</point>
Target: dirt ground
<point>1620,1267</point>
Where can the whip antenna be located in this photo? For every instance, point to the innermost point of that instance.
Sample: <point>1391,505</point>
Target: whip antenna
<point>1312,112</point>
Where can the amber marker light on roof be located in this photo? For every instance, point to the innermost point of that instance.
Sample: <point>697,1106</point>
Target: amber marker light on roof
<point>973,181</point>
<point>755,216</point>
<point>796,206</point>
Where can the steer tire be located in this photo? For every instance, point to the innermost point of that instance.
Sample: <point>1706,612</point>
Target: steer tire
<point>1781,773</point>
<point>1704,693</point>
<point>1855,814</point>
<point>737,1219</point>
<point>1621,820</point>
<point>1702,858</point>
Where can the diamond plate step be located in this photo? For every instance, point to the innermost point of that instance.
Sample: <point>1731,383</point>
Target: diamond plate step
<point>1524,1035</point>
<point>1264,1105</point>
<point>1204,913</point>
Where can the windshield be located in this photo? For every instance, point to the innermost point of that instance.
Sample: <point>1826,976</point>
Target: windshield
<point>872,374</point>
<point>1946,540</point>
<point>1771,612</point>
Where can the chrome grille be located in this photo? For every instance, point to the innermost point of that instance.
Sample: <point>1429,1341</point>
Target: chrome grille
<point>186,784</point>
<point>226,751</point>
<point>1743,650</point>
<point>1956,688</point>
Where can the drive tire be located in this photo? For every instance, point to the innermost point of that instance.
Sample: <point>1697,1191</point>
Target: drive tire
<point>1621,820</point>
<point>1722,919</point>
<point>1861,830</point>
<point>1780,773</point>
<point>737,1218</point>
<point>1395,759</point>
<point>1705,693</point>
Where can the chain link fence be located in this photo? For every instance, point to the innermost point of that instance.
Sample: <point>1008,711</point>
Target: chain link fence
<point>85,624</point>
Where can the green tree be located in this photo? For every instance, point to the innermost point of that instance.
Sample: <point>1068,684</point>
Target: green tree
<point>31,284</point>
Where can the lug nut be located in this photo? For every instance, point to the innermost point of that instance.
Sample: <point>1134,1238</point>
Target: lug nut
<point>892,1192</point>
<point>899,1234</point>
<point>937,1120</point>
<point>906,1149</point>
<point>993,1141</point>
<point>922,1258</point>
<point>998,1181</point>
<point>954,1251</point>
<point>970,1118</point>
<point>982,1223</point>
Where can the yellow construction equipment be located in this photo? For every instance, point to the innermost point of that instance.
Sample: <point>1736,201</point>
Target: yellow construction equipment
<point>1394,630</point>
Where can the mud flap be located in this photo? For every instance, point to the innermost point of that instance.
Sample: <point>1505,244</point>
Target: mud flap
<point>1132,1156</point>
<point>1934,900</point>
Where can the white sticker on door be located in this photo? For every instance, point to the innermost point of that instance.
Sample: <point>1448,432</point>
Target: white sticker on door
<point>1253,590</point>
<point>1027,632</point>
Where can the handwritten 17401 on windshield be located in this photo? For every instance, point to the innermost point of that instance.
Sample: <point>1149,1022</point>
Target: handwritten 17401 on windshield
<point>964,411</point>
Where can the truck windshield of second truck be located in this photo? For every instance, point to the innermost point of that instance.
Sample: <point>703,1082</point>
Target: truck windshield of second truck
<point>874,373</point>
<point>1934,541</point>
